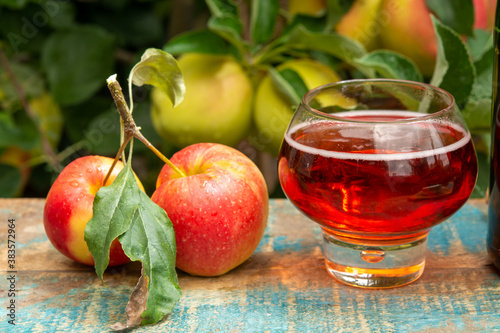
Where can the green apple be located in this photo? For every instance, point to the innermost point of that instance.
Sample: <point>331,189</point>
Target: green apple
<point>272,111</point>
<point>309,7</point>
<point>216,106</point>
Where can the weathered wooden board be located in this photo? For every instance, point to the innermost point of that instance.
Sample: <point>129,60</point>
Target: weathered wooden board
<point>283,287</point>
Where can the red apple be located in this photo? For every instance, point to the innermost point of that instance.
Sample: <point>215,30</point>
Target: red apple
<point>406,27</point>
<point>68,208</point>
<point>219,210</point>
<point>484,14</point>
<point>361,23</point>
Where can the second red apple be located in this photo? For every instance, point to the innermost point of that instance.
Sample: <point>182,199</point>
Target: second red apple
<point>219,210</point>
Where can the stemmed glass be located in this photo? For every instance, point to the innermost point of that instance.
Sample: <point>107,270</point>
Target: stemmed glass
<point>377,163</point>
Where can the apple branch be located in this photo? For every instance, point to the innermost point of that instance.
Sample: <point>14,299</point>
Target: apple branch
<point>130,128</point>
<point>117,157</point>
<point>244,17</point>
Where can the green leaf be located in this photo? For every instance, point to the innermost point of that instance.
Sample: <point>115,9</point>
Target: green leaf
<point>477,115</point>
<point>342,47</point>
<point>226,23</point>
<point>151,240</point>
<point>18,130</point>
<point>289,83</point>
<point>222,7</point>
<point>113,212</point>
<point>160,69</point>
<point>143,228</point>
<point>76,61</point>
<point>480,43</point>
<point>477,110</point>
<point>31,81</point>
<point>15,4</point>
<point>310,23</point>
<point>136,26</point>
<point>263,19</point>
<point>391,65</point>
<point>457,14</point>
<point>21,33</point>
<point>454,70</point>
<point>273,51</point>
<point>10,178</point>
<point>82,115</point>
<point>483,84</point>
<point>200,41</point>
<point>230,28</point>
<point>62,14</point>
<point>114,5</point>
<point>327,59</point>
<point>336,9</point>
<point>483,175</point>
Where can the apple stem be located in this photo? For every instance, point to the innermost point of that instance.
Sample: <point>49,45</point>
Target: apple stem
<point>117,157</point>
<point>162,157</point>
<point>129,126</point>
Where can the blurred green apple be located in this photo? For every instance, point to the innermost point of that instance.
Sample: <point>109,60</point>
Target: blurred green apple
<point>310,7</point>
<point>272,111</point>
<point>216,107</point>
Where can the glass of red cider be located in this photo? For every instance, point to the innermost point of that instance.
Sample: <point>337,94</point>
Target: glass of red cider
<point>377,163</point>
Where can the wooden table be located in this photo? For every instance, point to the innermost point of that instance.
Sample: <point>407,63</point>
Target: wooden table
<point>283,287</point>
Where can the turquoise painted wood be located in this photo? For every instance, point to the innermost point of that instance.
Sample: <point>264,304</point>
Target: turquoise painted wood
<point>283,287</point>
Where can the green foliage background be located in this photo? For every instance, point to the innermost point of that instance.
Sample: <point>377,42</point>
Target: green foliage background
<point>68,48</point>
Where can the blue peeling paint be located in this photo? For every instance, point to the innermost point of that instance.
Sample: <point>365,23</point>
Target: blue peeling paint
<point>468,226</point>
<point>275,308</point>
<point>7,212</point>
<point>283,244</point>
<point>67,312</point>
<point>471,228</point>
<point>21,244</point>
<point>310,306</point>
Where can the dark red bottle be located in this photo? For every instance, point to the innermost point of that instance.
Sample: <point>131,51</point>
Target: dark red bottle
<point>493,237</point>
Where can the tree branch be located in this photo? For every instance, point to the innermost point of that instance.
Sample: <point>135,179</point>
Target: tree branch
<point>130,128</point>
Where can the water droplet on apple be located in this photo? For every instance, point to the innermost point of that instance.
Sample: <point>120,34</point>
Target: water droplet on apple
<point>74,184</point>
<point>89,170</point>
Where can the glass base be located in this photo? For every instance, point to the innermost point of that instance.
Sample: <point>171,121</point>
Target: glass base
<point>378,265</point>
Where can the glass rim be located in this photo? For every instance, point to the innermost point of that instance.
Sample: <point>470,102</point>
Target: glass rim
<point>315,91</point>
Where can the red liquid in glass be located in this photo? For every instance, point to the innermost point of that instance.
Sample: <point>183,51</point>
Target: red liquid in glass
<point>380,180</point>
